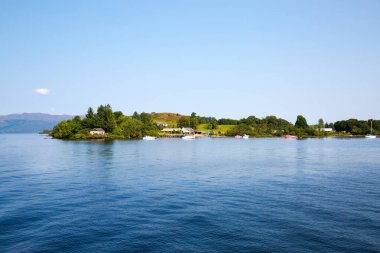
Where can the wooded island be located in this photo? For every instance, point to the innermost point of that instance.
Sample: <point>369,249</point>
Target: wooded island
<point>104,123</point>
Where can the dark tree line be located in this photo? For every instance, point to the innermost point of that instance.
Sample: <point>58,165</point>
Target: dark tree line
<point>115,124</point>
<point>357,127</point>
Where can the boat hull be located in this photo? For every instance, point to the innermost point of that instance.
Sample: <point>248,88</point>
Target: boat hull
<point>290,137</point>
<point>188,137</point>
<point>149,138</point>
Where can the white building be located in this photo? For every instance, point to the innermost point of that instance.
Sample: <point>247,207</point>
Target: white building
<point>164,124</point>
<point>171,130</point>
<point>98,131</point>
<point>186,130</point>
<point>327,130</point>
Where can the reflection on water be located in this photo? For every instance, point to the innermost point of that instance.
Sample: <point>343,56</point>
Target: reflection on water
<point>207,195</point>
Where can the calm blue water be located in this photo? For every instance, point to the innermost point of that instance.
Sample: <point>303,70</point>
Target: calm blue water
<point>207,195</point>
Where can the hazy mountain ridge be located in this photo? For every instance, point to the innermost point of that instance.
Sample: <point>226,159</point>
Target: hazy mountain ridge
<point>29,122</point>
<point>34,116</point>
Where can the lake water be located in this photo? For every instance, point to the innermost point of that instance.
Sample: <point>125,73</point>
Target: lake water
<point>206,195</point>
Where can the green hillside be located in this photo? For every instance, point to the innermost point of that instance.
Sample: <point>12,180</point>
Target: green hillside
<point>221,128</point>
<point>170,118</point>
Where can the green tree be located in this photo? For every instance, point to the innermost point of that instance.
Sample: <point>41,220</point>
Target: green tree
<point>148,125</point>
<point>131,128</point>
<point>193,120</point>
<point>183,121</point>
<point>301,122</point>
<point>118,114</point>
<point>320,124</point>
<point>65,129</point>
<point>240,129</point>
<point>146,118</point>
<point>213,124</point>
<point>89,120</point>
<point>136,115</point>
<point>251,121</point>
<point>90,113</point>
<point>105,118</point>
<point>224,121</point>
<point>353,126</point>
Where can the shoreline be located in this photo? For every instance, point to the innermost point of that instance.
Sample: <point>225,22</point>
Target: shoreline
<point>213,137</point>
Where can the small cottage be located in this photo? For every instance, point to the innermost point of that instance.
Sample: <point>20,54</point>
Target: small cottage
<point>98,131</point>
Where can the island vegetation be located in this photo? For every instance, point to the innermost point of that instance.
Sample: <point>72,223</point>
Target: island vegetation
<point>116,125</point>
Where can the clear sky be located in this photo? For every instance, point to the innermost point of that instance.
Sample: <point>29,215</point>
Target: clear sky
<point>217,58</point>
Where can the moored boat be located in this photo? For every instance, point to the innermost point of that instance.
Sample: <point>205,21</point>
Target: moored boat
<point>149,138</point>
<point>290,137</point>
<point>188,137</point>
<point>370,135</point>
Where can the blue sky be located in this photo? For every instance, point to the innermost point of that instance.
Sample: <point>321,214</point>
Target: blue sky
<point>232,59</point>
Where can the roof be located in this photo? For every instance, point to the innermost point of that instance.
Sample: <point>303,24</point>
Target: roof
<point>97,129</point>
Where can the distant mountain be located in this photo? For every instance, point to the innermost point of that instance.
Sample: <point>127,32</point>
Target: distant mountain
<point>29,122</point>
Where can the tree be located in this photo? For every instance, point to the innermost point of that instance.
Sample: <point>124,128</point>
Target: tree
<point>131,128</point>
<point>105,118</point>
<point>184,121</point>
<point>352,126</point>
<point>148,125</point>
<point>320,124</point>
<point>301,122</point>
<point>118,114</point>
<point>136,115</point>
<point>240,129</point>
<point>146,118</point>
<point>213,124</point>
<point>227,121</point>
<point>65,129</point>
<point>90,113</point>
<point>276,124</point>
<point>251,121</point>
<point>89,120</point>
<point>193,120</point>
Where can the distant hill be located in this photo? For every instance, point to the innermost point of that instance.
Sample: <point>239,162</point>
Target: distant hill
<point>29,122</point>
<point>170,118</point>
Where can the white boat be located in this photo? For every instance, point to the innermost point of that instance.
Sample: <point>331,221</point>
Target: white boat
<point>188,137</point>
<point>238,136</point>
<point>188,133</point>
<point>245,136</point>
<point>370,135</point>
<point>149,138</point>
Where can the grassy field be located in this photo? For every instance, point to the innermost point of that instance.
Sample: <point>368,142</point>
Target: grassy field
<point>221,128</point>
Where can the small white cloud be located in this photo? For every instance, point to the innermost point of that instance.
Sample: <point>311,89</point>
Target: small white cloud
<point>42,91</point>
